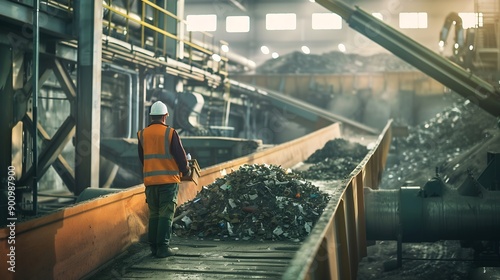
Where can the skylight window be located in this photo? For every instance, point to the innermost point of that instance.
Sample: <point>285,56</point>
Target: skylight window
<point>413,20</point>
<point>321,21</point>
<point>206,23</point>
<point>285,21</point>
<point>238,24</point>
<point>469,20</point>
<point>379,16</point>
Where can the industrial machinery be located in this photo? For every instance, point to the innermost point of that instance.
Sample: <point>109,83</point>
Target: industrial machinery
<point>463,47</point>
<point>436,211</point>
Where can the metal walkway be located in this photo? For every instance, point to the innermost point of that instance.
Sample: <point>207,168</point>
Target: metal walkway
<point>204,259</point>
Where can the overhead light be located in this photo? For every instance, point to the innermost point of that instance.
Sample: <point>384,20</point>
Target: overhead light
<point>216,57</point>
<point>441,46</point>
<point>342,47</point>
<point>306,50</point>
<point>275,55</point>
<point>264,50</point>
<point>225,48</point>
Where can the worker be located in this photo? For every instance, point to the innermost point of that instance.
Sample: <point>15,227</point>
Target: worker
<point>163,159</point>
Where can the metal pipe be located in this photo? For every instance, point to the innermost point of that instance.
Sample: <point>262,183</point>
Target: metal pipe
<point>181,29</point>
<point>422,218</point>
<point>36,43</point>
<point>133,83</point>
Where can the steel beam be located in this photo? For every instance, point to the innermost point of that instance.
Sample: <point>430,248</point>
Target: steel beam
<point>60,164</point>
<point>6,108</point>
<point>45,71</point>
<point>65,171</point>
<point>35,66</point>
<point>6,123</point>
<point>65,80</point>
<point>88,15</point>
<point>21,14</point>
<point>53,150</point>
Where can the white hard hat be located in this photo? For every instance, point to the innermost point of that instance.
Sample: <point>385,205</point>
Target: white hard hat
<point>158,109</point>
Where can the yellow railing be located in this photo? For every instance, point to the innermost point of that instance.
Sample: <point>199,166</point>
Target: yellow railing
<point>198,46</point>
<point>159,44</point>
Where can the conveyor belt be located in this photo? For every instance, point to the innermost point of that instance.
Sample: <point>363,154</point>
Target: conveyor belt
<point>77,241</point>
<point>205,259</point>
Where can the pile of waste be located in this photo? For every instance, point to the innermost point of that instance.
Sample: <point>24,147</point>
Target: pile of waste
<point>436,143</point>
<point>335,161</point>
<point>333,62</point>
<point>262,202</point>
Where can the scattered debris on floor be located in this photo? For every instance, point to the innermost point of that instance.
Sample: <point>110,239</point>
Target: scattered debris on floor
<point>259,201</point>
<point>335,161</point>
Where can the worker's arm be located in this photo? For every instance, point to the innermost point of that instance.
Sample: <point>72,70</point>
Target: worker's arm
<point>140,151</point>
<point>179,154</point>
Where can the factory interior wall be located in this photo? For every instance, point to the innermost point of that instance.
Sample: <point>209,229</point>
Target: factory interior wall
<point>363,96</point>
<point>323,41</point>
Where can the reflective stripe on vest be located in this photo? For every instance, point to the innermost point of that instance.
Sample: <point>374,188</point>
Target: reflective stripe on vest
<point>159,165</point>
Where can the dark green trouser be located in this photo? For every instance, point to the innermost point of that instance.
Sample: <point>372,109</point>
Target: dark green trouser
<point>162,202</point>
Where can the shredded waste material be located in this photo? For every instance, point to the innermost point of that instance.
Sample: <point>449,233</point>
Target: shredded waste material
<point>335,161</point>
<point>437,144</point>
<point>259,201</point>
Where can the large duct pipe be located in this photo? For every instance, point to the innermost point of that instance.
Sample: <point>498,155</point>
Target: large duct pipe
<point>431,214</point>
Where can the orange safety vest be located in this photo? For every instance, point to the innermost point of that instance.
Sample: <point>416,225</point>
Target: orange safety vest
<point>159,164</point>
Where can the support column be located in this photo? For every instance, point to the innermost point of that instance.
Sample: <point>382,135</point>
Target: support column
<point>88,101</point>
<point>6,119</point>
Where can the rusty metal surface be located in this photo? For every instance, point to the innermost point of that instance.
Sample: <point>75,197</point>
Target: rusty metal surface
<point>67,244</point>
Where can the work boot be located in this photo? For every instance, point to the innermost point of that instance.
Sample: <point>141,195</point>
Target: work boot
<point>152,235</point>
<point>165,251</point>
<point>154,249</point>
